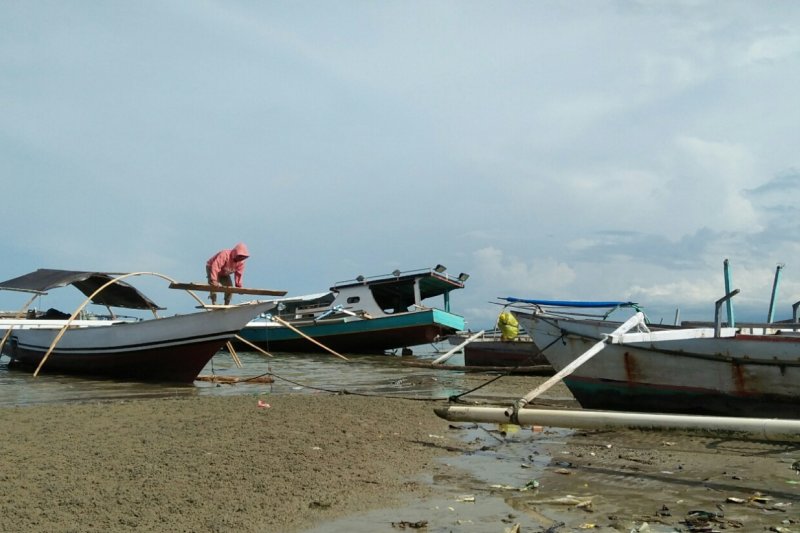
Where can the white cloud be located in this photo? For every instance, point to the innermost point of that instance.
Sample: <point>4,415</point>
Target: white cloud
<point>540,275</point>
<point>774,48</point>
<point>585,150</point>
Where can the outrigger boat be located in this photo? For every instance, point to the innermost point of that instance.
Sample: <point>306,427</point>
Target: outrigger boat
<point>741,379</point>
<point>670,400</point>
<point>748,370</point>
<point>363,315</point>
<point>169,349</point>
<point>491,352</point>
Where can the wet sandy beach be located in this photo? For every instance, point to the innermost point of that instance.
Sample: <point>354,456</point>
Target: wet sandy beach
<point>325,463</point>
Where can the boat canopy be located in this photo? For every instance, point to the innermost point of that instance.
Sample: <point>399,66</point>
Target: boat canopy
<point>119,294</point>
<point>431,284</point>
<point>571,303</point>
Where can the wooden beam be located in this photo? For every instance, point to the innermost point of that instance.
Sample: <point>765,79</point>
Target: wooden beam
<point>224,289</point>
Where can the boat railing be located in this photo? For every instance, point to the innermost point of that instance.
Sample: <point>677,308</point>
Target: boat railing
<point>438,270</point>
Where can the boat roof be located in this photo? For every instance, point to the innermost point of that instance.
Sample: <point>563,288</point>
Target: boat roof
<point>431,283</point>
<point>120,294</point>
<point>571,303</point>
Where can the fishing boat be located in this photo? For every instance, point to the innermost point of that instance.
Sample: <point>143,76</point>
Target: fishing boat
<point>167,349</point>
<point>363,315</point>
<point>490,351</point>
<point>751,370</point>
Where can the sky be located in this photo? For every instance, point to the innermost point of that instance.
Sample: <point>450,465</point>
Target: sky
<point>602,150</point>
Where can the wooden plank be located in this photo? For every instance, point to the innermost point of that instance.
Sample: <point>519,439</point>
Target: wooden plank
<point>224,289</point>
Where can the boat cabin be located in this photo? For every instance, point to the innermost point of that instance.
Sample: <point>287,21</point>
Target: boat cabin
<point>377,296</point>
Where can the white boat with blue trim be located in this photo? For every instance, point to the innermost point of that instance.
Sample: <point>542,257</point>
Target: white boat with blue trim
<point>751,370</point>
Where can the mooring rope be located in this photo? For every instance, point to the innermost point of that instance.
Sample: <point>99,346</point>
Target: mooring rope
<point>456,398</point>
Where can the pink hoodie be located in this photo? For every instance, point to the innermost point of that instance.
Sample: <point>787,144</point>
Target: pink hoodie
<point>224,264</point>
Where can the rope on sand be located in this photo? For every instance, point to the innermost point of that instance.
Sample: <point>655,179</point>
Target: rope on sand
<point>233,379</point>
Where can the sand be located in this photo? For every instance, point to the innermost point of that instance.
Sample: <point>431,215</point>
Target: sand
<point>210,464</point>
<point>287,463</point>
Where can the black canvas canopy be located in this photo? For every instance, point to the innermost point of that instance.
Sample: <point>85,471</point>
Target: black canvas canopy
<point>119,294</point>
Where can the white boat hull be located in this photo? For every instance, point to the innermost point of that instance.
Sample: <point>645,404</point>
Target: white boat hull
<point>173,349</point>
<point>741,375</point>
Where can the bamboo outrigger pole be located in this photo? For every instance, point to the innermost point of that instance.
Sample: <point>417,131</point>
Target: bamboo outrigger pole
<point>234,356</point>
<point>253,346</point>
<point>635,320</point>
<point>291,327</point>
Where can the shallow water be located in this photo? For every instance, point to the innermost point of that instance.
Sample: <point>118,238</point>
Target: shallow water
<point>292,373</point>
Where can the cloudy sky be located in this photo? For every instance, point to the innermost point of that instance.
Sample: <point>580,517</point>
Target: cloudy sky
<point>562,150</point>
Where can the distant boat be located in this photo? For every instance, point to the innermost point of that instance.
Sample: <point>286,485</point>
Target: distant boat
<point>747,371</point>
<point>363,315</point>
<point>170,349</point>
<point>491,352</point>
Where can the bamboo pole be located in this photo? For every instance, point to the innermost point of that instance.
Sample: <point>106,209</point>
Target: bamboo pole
<point>768,428</point>
<point>234,356</point>
<point>250,344</point>
<point>291,327</point>
<point>449,354</point>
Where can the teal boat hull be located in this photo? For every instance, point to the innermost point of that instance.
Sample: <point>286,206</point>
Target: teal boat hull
<point>358,335</point>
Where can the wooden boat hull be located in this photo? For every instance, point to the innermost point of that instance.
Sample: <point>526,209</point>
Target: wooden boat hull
<point>495,353</point>
<point>355,334</point>
<point>755,375</point>
<point>171,349</point>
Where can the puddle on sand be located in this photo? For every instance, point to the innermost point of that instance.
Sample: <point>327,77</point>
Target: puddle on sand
<point>604,481</point>
<point>477,490</point>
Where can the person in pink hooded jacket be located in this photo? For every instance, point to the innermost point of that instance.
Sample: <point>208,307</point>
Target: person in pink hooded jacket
<point>224,263</point>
